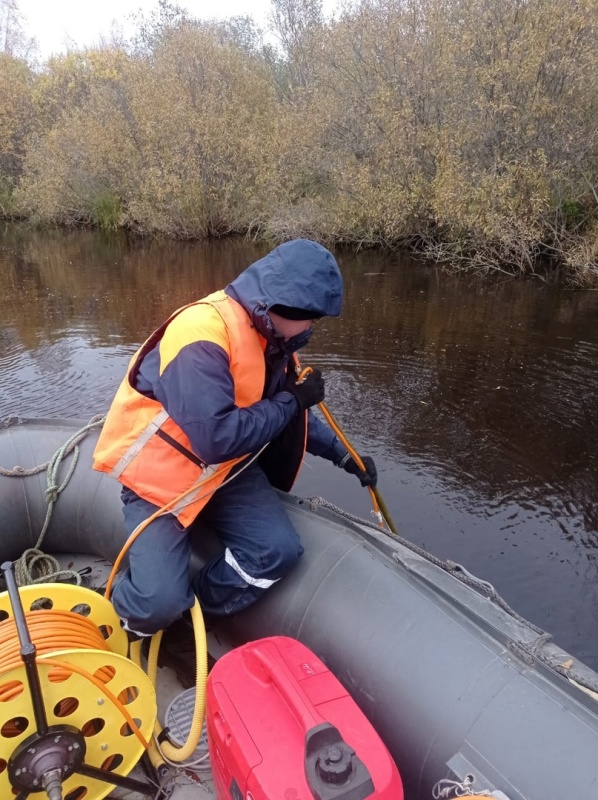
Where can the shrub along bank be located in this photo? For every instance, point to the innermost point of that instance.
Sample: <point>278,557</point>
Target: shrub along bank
<point>468,129</point>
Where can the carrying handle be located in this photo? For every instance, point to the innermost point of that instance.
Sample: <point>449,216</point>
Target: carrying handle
<point>280,675</point>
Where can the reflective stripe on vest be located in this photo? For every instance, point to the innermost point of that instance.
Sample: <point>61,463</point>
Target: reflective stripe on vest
<point>193,496</point>
<point>145,449</point>
<point>139,443</point>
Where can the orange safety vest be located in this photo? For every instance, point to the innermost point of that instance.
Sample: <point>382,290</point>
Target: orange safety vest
<point>134,444</point>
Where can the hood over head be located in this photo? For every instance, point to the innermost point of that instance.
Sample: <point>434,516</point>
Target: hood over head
<point>300,274</point>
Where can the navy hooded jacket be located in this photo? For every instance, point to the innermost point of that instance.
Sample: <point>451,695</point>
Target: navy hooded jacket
<point>299,274</point>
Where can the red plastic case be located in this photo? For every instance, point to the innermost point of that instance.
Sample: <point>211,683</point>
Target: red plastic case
<point>282,727</point>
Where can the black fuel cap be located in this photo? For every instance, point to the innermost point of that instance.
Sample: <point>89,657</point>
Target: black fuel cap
<point>334,764</point>
<point>332,768</point>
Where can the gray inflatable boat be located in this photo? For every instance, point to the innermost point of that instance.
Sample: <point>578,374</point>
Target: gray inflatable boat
<point>468,697</point>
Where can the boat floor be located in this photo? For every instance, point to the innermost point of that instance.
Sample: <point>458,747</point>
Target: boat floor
<point>186,784</point>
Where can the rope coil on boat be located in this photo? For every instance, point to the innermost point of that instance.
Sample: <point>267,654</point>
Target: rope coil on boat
<point>527,651</point>
<point>35,566</point>
<point>447,789</point>
<point>71,444</point>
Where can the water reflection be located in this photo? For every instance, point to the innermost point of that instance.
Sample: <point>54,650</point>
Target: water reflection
<point>476,396</point>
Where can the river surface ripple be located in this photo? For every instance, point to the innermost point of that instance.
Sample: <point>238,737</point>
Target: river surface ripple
<point>475,395</point>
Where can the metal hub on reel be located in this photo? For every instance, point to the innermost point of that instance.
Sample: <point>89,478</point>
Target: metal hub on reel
<point>45,762</point>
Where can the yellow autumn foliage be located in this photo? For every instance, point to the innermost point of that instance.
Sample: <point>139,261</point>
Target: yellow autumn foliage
<point>467,128</point>
<point>16,118</point>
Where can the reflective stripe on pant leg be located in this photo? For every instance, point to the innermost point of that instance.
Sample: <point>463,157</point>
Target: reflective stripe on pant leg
<point>260,583</point>
<point>249,518</point>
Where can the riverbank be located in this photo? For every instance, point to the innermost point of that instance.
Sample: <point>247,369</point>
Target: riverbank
<point>468,132</point>
<point>451,257</point>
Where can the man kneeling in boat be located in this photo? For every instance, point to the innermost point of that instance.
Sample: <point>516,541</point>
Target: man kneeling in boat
<point>210,418</point>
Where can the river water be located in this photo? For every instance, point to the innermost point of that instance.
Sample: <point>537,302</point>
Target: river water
<point>475,395</point>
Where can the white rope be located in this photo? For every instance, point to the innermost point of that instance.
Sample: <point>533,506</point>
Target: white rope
<point>35,566</point>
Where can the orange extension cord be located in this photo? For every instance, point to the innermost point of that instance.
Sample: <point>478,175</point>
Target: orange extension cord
<point>52,630</point>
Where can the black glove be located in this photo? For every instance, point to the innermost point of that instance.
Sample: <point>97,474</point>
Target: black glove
<point>367,477</point>
<point>308,393</point>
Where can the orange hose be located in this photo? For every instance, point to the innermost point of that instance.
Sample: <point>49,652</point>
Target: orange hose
<point>302,374</point>
<point>331,421</point>
<point>141,527</point>
<point>113,699</point>
<point>52,630</point>
<point>125,548</point>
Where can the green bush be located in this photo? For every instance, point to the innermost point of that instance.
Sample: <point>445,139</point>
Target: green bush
<point>106,211</point>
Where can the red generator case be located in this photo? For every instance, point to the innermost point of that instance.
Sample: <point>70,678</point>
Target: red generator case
<point>282,727</point>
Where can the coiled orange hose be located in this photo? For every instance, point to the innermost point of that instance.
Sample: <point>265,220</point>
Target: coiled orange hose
<point>52,630</point>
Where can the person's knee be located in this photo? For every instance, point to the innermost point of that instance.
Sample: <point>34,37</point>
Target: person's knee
<point>153,611</point>
<point>278,559</point>
<point>266,565</point>
<point>288,551</point>
<point>168,604</point>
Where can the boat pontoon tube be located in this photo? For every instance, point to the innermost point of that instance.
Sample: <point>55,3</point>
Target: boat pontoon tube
<point>449,680</point>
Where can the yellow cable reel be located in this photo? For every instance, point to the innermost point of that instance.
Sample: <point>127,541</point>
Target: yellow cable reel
<point>98,692</point>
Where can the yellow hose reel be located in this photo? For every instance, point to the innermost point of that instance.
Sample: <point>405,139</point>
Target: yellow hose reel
<point>93,713</point>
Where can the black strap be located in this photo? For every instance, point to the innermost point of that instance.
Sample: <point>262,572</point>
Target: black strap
<point>166,437</point>
<point>163,735</point>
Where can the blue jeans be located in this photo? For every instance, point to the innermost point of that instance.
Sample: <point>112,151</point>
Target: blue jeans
<point>261,546</point>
